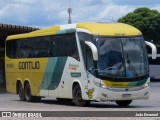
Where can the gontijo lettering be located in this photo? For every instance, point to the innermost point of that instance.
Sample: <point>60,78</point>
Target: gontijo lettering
<point>29,65</point>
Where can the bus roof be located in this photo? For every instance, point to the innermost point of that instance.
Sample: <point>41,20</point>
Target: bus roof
<point>110,29</point>
<point>104,29</point>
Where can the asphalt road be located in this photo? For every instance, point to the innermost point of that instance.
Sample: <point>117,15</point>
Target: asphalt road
<point>11,102</point>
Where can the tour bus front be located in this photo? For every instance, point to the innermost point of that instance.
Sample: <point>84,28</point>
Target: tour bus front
<point>120,72</point>
<point>122,67</point>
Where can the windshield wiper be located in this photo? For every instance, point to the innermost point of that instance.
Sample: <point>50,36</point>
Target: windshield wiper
<point>131,66</point>
<point>125,69</point>
<point>121,66</point>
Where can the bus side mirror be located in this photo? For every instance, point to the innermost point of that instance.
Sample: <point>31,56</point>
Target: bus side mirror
<point>154,49</point>
<point>93,49</point>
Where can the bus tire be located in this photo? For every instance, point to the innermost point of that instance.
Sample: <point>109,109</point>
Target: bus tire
<point>124,103</point>
<point>77,97</point>
<point>27,90</point>
<point>21,92</point>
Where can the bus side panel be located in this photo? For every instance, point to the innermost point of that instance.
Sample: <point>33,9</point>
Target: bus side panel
<point>12,75</point>
<point>34,73</point>
<point>10,82</point>
<point>27,70</point>
<point>53,71</point>
<point>71,71</point>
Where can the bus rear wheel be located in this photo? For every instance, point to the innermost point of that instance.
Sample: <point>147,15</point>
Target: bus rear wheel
<point>28,96</point>
<point>21,92</point>
<point>124,103</point>
<point>77,97</point>
<point>27,90</point>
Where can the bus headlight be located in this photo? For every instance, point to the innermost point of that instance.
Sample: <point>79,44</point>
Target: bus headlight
<point>104,86</point>
<point>146,84</point>
<point>100,85</point>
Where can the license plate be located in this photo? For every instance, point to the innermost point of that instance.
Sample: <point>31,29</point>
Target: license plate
<point>126,95</point>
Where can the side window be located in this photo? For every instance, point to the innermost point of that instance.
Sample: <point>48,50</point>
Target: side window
<point>46,46</point>
<point>70,46</point>
<point>25,48</point>
<point>64,45</point>
<point>11,48</point>
<point>32,47</point>
<point>40,47</point>
<point>38,50</point>
<point>56,48</point>
<point>19,51</point>
<point>14,49</point>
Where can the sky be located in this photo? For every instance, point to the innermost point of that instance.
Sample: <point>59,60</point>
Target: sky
<point>44,13</point>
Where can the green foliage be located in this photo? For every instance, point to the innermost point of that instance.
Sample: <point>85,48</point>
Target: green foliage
<point>147,21</point>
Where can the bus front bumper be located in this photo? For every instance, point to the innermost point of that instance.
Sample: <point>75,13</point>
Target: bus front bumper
<point>112,95</point>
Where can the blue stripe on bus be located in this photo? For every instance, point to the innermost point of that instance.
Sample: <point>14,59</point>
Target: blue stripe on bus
<point>50,68</point>
<point>53,73</point>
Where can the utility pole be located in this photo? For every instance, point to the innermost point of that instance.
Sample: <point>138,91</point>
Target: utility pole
<point>69,13</point>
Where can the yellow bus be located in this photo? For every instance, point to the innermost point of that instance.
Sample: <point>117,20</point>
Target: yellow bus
<point>82,62</point>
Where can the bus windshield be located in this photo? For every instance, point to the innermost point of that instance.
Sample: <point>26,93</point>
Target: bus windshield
<point>121,57</point>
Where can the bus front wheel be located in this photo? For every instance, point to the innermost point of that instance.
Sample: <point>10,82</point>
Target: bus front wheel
<point>77,97</point>
<point>124,103</point>
<point>21,92</point>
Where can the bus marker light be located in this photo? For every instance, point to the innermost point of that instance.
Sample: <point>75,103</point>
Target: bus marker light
<point>105,95</point>
<point>86,87</point>
<point>146,93</point>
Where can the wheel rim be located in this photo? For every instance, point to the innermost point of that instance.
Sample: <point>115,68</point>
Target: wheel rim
<point>28,92</point>
<point>78,96</point>
<point>20,90</point>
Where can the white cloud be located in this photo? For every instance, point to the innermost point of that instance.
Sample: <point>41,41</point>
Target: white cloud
<point>50,12</point>
<point>103,12</point>
<point>15,12</point>
<point>157,7</point>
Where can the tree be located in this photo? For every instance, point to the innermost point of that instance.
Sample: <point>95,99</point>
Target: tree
<point>147,21</point>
